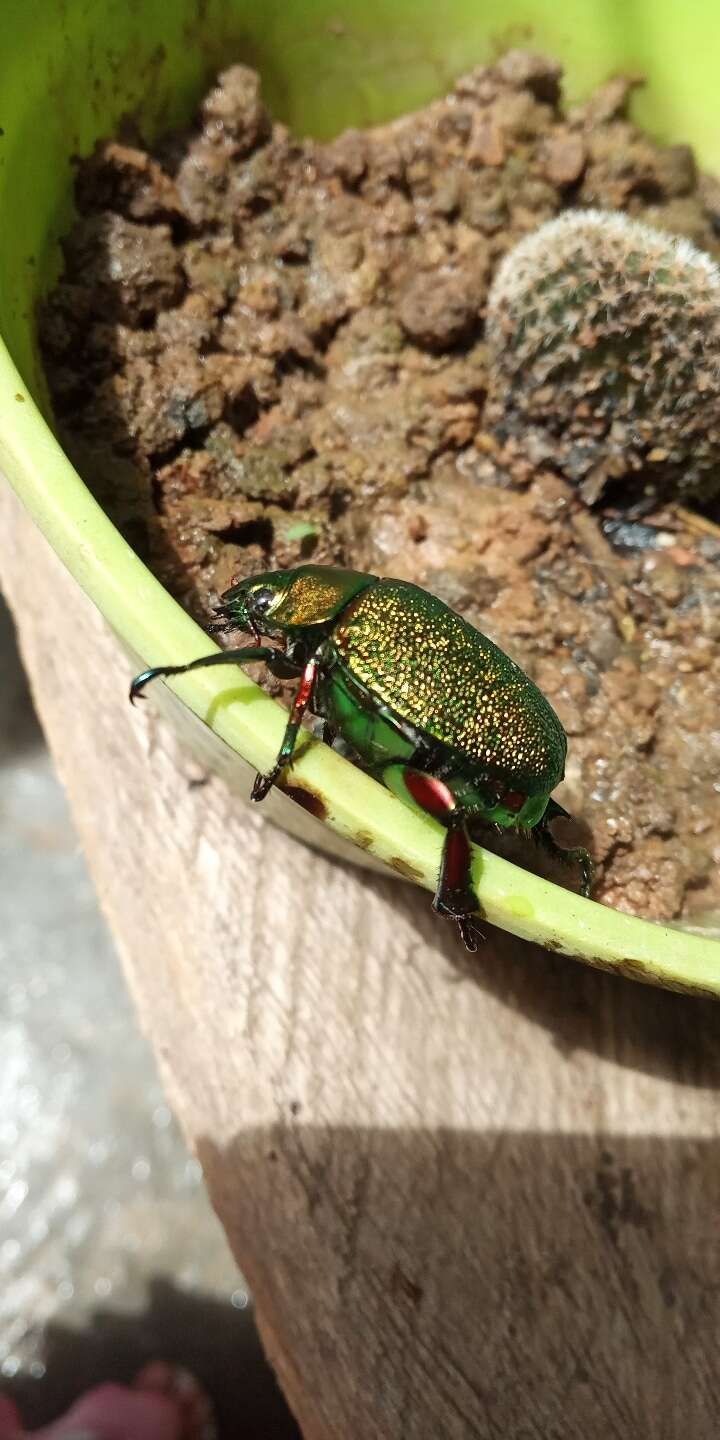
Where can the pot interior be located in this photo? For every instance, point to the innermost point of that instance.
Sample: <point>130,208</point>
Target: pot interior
<point>69,73</point>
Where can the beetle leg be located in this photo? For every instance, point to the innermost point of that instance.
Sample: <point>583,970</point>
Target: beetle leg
<point>263,783</point>
<point>454,895</point>
<point>222,657</point>
<point>577,855</point>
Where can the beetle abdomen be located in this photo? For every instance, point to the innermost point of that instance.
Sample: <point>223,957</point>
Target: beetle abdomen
<point>439,673</point>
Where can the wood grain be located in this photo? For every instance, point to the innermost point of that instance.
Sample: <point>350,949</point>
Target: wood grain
<point>472,1199</point>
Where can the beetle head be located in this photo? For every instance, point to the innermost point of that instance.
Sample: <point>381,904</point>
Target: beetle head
<point>282,602</point>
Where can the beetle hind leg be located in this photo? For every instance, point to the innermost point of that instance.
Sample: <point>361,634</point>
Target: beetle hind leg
<point>577,855</point>
<point>454,895</point>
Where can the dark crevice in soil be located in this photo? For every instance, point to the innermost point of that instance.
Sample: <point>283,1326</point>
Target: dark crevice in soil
<point>253,532</point>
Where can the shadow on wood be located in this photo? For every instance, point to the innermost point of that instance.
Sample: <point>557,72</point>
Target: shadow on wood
<point>653,1031</point>
<point>523,1285</point>
<point>472,1201</point>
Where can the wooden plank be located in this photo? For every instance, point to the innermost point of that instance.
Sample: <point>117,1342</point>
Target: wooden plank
<point>472,1199</point>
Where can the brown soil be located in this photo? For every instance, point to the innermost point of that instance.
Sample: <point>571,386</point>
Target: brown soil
<point>265,350</point>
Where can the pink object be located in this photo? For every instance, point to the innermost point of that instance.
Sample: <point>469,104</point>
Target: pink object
<point>163,1403</point>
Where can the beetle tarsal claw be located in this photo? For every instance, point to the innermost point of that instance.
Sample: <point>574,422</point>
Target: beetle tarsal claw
<point>471,937</point>
<point>262,786</point>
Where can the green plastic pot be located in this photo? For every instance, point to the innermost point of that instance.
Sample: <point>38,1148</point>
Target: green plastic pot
<point>68,72</point>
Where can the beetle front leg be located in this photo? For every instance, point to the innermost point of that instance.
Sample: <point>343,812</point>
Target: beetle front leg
<point>454,895</point>
<point>248,654</point>
<point>264,783</point>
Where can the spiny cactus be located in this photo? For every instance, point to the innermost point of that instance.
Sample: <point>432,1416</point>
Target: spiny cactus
<point>605,340</point>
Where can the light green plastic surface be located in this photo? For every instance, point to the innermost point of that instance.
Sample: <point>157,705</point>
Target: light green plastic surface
<point>69,69</point>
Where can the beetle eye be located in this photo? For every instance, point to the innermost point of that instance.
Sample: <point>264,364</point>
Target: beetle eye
<point>261,600</point>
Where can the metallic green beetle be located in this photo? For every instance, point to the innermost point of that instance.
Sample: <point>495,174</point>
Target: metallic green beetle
<point>430,706</point>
